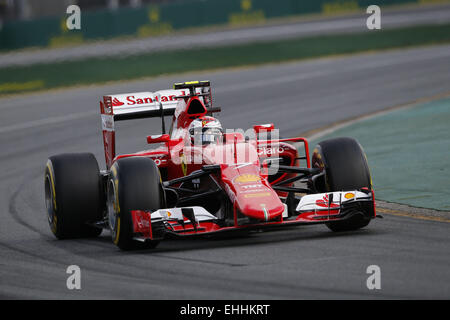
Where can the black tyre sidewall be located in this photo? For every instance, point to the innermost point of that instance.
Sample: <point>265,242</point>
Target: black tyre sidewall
<point>345,164</point>
<point>346,169</point>
<point>137,185</point>
<point>75,183</point>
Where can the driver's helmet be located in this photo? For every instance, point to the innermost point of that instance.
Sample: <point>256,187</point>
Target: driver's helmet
<point>205,130</point>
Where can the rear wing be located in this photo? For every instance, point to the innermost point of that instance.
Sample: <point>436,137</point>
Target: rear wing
<point>139,105</point>
<point>135,105</point>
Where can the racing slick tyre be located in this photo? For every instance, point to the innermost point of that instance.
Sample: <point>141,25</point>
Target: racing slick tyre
<point>73,195</point>
<point>135,184</point>
<point>346,168</point>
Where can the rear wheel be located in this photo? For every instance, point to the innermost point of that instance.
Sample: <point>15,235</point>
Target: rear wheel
<point>73,195</point>
<point>135,184</point>
<point>346,168</point>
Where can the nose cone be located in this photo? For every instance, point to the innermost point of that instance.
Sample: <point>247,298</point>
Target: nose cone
<point>250,192</point>
<point>260,203</point>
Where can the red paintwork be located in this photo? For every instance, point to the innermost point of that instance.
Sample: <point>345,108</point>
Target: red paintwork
<point>325,203</point>
<point>314,215</point>
<point>109,137</point>
<point>210,227</point>
<point>251,194</point>
<point>241,176</point>
<point>142,223</point>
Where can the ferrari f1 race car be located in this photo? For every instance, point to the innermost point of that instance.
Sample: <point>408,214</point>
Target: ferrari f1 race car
<point>201,180</point>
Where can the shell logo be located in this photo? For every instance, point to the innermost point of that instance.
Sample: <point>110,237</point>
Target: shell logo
<point>349,195</point>
<point>247,178</point>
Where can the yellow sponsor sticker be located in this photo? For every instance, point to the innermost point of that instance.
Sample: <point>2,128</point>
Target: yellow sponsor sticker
<point>244,178</point>
<point>257,195</point>
<point>349,195</point>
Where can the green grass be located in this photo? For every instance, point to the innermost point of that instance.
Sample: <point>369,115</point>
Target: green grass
<point>89,71</point>
<point>409,143</point>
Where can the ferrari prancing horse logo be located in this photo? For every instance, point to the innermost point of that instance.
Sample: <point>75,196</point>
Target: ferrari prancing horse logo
<point>183,164</point>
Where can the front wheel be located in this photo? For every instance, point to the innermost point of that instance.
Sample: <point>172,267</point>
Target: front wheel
<point>346,168</point>
<point>135,184</point>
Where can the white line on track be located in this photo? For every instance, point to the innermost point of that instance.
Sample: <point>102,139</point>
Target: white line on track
<point>47,121</point>
<point>419,55</point>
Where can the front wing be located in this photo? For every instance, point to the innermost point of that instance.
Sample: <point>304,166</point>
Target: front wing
<point>197,221</point>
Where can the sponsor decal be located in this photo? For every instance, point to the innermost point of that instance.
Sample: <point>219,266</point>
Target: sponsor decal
<point>141,221</point>
<point>257,195</point>
<point>252,191</point>
<point>270,151</point>
<point>253,186</point>
<point>107,122</point>
<point>246,178</point>
<point>349,195</point>
<point>166,214</point>
<point>131,100</point>
<point>159,160</point>
<point>116,102</point>
<point>107,103</point>
<point>324,202</point>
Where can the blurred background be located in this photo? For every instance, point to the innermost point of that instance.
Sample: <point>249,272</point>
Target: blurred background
<point>145,38</point>
<point>29,9</point>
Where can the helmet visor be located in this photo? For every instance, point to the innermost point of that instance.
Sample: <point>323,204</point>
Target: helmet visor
<point>203,136</point>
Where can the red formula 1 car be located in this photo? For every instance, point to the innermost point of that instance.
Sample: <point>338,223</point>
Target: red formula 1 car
<point>200,180</point>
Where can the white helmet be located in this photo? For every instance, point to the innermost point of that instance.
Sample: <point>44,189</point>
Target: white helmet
<point>205,130</point>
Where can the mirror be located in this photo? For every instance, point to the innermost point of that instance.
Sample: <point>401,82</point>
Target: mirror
<point>160,138</point>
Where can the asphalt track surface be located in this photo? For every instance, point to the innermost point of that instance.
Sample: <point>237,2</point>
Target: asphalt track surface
<point>299,263</point>
<point>305,27</point>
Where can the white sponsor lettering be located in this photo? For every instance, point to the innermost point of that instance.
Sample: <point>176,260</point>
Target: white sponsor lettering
<point>252,186</point>
<point>270,151</point>
<point>107,122</point>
